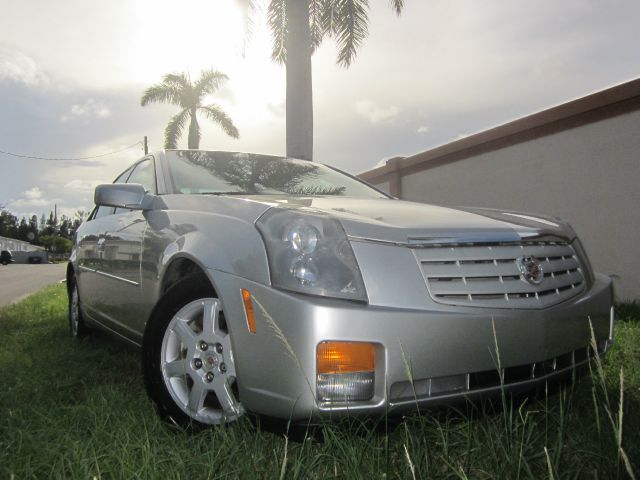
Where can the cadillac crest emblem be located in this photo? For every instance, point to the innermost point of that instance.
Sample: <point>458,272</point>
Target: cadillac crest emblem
<point>530,269</point>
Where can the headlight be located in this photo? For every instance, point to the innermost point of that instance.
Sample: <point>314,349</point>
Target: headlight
<point>310,253</point>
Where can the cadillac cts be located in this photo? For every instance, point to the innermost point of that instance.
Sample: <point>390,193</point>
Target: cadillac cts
<point>287,288</point>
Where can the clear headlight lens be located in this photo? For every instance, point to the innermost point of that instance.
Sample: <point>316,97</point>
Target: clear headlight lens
<point>310,253</point>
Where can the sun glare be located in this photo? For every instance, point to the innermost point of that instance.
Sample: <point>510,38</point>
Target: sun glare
<point>187,35</point>
<point>193,35</point>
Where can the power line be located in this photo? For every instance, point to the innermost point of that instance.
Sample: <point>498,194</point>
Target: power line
<point>18,155</point>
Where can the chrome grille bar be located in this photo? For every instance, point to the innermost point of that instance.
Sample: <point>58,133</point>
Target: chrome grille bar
<point>487,275</point>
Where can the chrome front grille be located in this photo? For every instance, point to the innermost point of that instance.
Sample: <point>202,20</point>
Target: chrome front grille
<point>487,274</point>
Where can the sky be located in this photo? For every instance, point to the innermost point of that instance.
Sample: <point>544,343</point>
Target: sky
<point>72,73</point>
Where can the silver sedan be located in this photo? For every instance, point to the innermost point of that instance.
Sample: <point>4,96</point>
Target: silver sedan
<point>290,289</point>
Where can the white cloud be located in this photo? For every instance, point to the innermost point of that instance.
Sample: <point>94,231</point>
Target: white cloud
<point>422,129</point>
<point>82,185</point>
<point>20,68</point>
<point>89,109</point>
<point>32,197</point>
<point>33,193</point>
<point>375,113</point>
<point>35,201</point>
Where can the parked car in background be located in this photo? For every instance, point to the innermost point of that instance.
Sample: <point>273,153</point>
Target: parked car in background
<point>290,289</point>
<point>6,257</point>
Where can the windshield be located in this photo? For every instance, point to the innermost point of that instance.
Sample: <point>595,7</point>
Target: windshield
<point>197,172</point>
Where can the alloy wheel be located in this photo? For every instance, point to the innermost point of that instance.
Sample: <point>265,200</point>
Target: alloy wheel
<point>197,363</point>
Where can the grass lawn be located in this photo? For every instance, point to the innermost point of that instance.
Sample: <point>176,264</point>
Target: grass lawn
<point>79,410</point>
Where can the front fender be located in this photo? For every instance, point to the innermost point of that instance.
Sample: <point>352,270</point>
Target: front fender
<point>213,241</point>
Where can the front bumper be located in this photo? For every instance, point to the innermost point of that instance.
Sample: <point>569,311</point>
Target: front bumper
<point>422,356</point>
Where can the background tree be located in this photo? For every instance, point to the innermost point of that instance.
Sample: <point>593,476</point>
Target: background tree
<point>298,28</point>
<point>8,224</point>
<point>64,227</point>
<point>177,89</point>
<point>50,227</point>
<point>23,230</point>
<point>56,243</point>
<point>78,218</point>
<point>33,228</point>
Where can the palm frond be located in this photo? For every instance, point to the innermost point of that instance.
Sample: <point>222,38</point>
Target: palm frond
<point>397,6</point>
<point>351,29</point>
<point>209,81</point>
<point>315,23</point>
<point>161,93</point>
<point>252,10</point>
<point>179,80</point>
<point>219,116</point>
<point>174,129</point>
<point>277,21</point>
<point>328,16</point>
<point>316,190</point>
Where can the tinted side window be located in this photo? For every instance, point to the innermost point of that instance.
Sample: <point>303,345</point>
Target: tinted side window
<point>102,211</point>
<point>144,175</point>
<point>123,176</point>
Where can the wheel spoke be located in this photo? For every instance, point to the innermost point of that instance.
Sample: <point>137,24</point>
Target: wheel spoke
<point>216,321</point>
<point>209,318</point>
<point>228,356</point>
<point>196,396</point>
<point>177,368</point>
<point>225,396</point>
<point>184,332</point>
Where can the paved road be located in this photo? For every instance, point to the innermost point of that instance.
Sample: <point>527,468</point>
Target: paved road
<point>20,280</point>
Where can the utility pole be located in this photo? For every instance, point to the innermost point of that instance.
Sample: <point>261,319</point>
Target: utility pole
<point>146,147</point>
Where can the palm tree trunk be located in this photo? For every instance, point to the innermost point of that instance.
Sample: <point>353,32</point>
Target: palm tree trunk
<point>194,130</point>
<point>299,87</point>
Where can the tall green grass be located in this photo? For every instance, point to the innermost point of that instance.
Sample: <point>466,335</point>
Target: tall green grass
<point>78,410</point>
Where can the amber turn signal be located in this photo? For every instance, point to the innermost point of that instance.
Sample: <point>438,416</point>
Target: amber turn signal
<point>344,357</point>
<point>248,310</point>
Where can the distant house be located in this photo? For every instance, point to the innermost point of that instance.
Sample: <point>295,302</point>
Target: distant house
<point>579,161</point>
<point>23,252</point>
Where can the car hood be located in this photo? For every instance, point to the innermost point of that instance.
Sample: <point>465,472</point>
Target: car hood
<point>396,221</point>
<point>409,222</point>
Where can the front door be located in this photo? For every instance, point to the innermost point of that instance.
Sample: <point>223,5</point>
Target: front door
<point>121,263</point>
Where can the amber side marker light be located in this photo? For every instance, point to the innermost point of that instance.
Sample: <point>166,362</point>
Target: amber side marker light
<point>345,371</point>
<point>248,310</point>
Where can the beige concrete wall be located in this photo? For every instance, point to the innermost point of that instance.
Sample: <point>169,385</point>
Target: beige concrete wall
<point>384,186</point>
<point>588,175</point>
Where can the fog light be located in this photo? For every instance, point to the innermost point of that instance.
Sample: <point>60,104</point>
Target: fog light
<point>345,371</point>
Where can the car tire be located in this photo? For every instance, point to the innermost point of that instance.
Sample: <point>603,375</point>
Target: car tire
<point>77,327</point>
<point>187,358</point>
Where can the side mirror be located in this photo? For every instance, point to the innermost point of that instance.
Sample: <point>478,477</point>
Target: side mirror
<point>122,195</point>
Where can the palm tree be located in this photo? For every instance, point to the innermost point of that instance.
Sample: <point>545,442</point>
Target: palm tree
<point>177,89</point>
<point>298,28</point>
